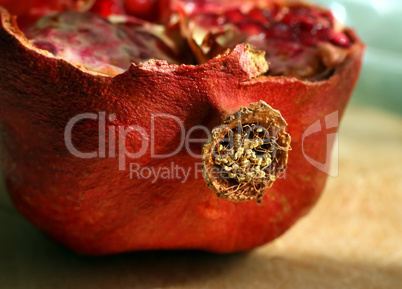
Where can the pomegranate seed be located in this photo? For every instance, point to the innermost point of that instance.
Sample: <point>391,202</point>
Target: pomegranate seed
<point>308,39</point>
<point>235,16</point>
<point>279,30</point>
<point>261,16</point>
<point>324,34</point>
<point>253,28</point>
<point>340,39</point>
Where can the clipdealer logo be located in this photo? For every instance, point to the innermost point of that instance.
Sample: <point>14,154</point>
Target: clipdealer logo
<point>121,133</point>
<point>145,140</point>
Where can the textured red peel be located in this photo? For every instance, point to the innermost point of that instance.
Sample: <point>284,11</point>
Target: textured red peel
<point>93,207</point>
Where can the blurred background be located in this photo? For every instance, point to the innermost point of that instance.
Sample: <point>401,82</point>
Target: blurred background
<point>378,23</point>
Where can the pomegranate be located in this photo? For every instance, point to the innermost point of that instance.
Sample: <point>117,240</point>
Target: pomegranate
<point>197,127</point>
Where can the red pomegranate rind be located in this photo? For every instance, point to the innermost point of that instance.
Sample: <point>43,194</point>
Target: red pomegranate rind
<point>94,208</point>
<point>298,38</point>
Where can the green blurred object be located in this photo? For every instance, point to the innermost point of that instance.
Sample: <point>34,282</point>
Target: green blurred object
<point>378,23</point>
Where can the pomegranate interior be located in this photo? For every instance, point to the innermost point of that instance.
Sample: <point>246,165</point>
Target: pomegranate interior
<point>299,40</point>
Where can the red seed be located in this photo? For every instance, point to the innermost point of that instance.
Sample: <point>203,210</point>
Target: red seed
<point>235,16</point>
<point>308,39</point>
<point>340,39</point>
<point>278,30</point>
<point>261,16</point>
<point>253,28</point>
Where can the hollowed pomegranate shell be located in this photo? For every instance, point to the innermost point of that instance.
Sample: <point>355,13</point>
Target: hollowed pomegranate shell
<point>93,207</point>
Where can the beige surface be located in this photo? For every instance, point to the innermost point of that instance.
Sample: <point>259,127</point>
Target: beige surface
<point>352,238</point>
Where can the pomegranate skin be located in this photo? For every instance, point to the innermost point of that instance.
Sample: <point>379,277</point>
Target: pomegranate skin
<point>94,208</point>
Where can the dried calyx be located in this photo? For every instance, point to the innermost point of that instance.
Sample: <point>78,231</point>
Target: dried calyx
<point>247,153</point>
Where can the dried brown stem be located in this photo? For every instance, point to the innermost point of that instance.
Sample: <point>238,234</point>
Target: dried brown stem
<point>247,153</point>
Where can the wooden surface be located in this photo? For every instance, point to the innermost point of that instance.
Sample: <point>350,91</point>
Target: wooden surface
<point>351,239</point>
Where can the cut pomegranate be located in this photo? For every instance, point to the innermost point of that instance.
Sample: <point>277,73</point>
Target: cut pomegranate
<point>141,86</point>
